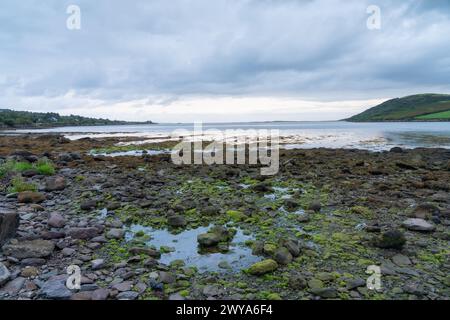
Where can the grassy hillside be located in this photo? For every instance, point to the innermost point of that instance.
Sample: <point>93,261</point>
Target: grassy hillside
<point>25,119</point>
<point>421,107</point>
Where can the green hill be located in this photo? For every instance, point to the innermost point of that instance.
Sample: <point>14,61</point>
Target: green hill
<point>420,107</point>
<point>25,119</point>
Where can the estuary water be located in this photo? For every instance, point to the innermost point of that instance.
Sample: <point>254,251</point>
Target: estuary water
<point>330,134</point>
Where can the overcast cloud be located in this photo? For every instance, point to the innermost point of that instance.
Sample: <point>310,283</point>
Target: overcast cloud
<point>218,60</point>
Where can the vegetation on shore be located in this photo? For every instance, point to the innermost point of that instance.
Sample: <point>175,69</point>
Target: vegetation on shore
<point>421,107</point>
<point>25,119</point>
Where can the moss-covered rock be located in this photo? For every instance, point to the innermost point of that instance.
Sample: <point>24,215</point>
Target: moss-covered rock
<point>263,267</point>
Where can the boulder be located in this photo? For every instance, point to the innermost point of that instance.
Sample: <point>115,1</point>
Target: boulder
<point>115,234</point>
<point>147,251</point>
<point>55,184</point>
<point>56,220</point>
<point>176,221</point>
<point>55,288</point>
<point>4,274</point>
<point>392,239</point>
<point>425,211</point>
<point>9,222</point>
<point>263,267</point>
<point>30,197</point>
<point>82,233</point>
<point>282,256</point>
<point>88,205</point>
<point>416,224</point>
<point>214,236</point>
<point>29,249</point>
<point>315,206</point>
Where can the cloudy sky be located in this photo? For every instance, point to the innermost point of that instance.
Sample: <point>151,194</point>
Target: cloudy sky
<point>221,60</point>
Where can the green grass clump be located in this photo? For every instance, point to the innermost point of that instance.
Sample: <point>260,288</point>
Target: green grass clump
<point>19,185</point>
<point>45,167</point>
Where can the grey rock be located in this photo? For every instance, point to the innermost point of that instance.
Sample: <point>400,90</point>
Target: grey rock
<point>100,294</point>
<point>4,274</point>
<point>417,224</point>
<point>176,221</point>
<point>327,293</point>
<point>55,184</point>
<point>166,277</point>
<point>29,249</point>
<point>282,256</point>
<point>115,234</point>
<point>97,264</point>
<point>9,222</point>
<point>82,233</point>
<point>55,288</point>
<point>355,283</point>
<point>13,287</point>
<point>401,260</point>
<point>56,220</point>
<point>128,295</point>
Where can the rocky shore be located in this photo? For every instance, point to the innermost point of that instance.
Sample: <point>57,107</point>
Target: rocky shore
<point>140,227</point>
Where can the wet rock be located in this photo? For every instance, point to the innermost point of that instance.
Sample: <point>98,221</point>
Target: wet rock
<point>55,288</point>
<point>97,264</point>
<point>315,284</point>
<point>55,184</point>
<point>82,296</point>
<point>355,283</point>
<point>326,293</point>
<point>262,187</point>
<point>100,294</point>
<point>290,204</point>
<point>82,233</point>
<point>123,286</point>
<point>147,251</point>
<point>425,211</point>
<point>29,249</point>
<point>282,256</point>
<point>32,262</point>
<point>176,221</point>
<point>401,260</point>
<point>88,205</point>
<point>392,239</point>
<point>128,295</point>
<point>56,220</point>
<point>214,236</point>
<point>416,224</point>
<point>315,206</point>
<point>166,277</point>
<point>13,287</point>
<point>30,197</point>
<point>115,234</point>
<point>9,222</point>
<point>29,272</point>
<point>4,274</point>
<point>292,246</point>
<point>263,267</point>
<point>297,281</point>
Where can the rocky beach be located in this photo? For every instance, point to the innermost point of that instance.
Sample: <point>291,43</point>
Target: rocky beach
<point>141,227</point>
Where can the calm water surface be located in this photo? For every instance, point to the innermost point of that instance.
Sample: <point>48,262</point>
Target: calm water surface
<point>334,134</point>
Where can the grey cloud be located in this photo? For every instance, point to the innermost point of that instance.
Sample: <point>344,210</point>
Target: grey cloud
<point>166,49</point>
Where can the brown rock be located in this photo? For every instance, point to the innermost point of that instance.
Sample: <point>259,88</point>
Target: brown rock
<point>30,197</point>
